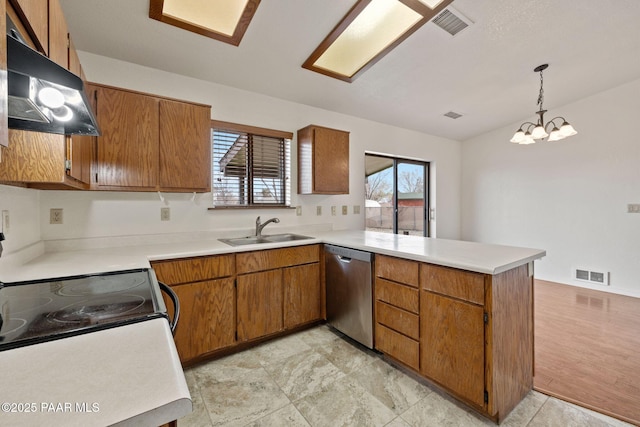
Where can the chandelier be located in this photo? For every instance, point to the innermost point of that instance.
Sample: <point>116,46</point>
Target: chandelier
<point>529,132</point>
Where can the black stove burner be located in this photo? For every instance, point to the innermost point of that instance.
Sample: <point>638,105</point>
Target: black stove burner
<point>21,305</point>
<point>97,285</point>
<point>96,310</point>
<point>37,311</point>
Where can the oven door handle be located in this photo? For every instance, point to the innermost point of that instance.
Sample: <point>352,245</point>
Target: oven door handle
<point>176,305</point>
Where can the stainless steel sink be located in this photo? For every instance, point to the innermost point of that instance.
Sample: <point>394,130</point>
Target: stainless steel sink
<point>273,238</point>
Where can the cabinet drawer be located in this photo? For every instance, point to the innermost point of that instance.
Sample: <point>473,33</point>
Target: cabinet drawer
<point>398,270</point>
<point>399,295</point>
<point>248,262</point>
<point>464,285</point>
<point>194,269</point>
<point>398,346</point>
<point>402,321</point>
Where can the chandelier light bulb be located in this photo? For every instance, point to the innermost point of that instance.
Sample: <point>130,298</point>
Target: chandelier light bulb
<point>539,132</point>
<point>567,130</point>
<point>527,139</point>
<point>555,135</point>
<point>518,137</point>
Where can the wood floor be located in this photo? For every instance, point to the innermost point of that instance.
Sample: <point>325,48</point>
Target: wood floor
<point>587,348</point>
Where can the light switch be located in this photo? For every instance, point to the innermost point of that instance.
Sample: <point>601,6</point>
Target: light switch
<point>345,209</point>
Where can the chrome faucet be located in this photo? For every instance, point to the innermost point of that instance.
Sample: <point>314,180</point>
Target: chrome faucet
<point>259,226</point>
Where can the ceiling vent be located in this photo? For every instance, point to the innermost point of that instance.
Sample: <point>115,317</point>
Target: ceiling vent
<point>452,21</point>
<point>452,115</point>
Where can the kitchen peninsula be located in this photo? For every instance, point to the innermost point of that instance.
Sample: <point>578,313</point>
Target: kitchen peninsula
<point>457,314</point>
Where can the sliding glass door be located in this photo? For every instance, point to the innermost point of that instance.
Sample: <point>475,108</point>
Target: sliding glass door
<point>396,195</point>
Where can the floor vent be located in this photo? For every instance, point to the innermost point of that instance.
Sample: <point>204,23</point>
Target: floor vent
<point>452,21</point>
<point>595,277</point>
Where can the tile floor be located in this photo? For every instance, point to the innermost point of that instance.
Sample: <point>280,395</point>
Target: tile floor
<point>317,378</point>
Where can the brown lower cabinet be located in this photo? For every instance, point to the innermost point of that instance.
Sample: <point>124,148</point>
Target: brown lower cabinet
<point>205,287</point>
<point>259,304</point>
<point>233,299</point>
<point>469,333</point>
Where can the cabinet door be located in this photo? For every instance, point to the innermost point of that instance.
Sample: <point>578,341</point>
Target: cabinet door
<point>301,294</point>
<point>58,35</point>
<point>81,148</point>
<point>323,161</point>
<point>206,317</point>
<point>259,304</point>
<point>452,345</point>
<point>36,15</point>
<point>330,161</point>
<point>128,147</point>
<point>185,146</point>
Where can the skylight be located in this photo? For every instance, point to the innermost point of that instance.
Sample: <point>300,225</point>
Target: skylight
<point>226,20</point>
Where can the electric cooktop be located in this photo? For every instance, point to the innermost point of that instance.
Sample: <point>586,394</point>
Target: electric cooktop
<point>37,311</point>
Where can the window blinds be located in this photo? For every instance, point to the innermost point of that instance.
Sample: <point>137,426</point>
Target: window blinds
<point>250,169</point>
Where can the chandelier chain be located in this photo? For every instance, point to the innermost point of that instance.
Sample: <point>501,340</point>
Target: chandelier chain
<point>541,94</point>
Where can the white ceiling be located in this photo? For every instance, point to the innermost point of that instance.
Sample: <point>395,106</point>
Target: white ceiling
<point>484,73</point>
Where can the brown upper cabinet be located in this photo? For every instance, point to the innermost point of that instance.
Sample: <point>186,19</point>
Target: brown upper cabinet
<point>40,160</point>
<point>323,161</point>
<point>149,143</point>
<point>34,14</point>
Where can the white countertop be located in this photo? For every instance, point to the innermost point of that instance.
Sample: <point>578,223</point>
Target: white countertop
<point>128,375</point>
<point>133,371</point>
<point>478,257</point>
<point>472,256</point>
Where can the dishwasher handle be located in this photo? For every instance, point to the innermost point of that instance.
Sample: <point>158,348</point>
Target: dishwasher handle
<point>344,259</point>
<point>341,253</point>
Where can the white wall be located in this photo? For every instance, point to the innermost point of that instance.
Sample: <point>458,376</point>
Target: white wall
<point>569,197</point>
<point>94,214</point>
<point>24,217</point>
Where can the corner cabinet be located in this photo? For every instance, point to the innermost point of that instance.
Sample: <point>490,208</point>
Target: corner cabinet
<point>469,333</point>
<point>231,301</point>
<point>323,161</point>
<point>150,143</point>
<point>206,290</point>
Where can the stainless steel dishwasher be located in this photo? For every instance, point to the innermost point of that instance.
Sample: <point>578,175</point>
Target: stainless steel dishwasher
<point>349,292</point>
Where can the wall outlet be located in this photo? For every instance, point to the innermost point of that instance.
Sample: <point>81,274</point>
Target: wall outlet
<point>345,209</point>
<point>633,208</point>
<point>333,211</point>
<point>356,209</point>
<point>165,214</point>
<point>55,216</point>
<point>299,210</point>
<point>318,210</point>
<point>5,222</point>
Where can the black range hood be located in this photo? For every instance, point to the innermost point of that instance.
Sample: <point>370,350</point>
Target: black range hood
<point>43,96</point>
